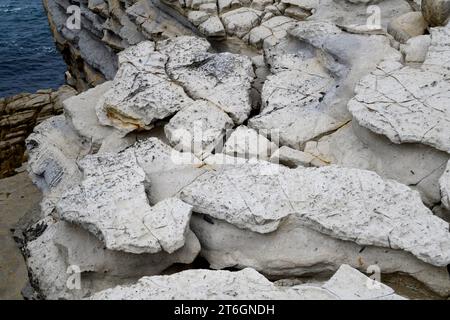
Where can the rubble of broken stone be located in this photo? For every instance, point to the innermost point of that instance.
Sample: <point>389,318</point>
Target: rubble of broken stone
<point>340,164</point>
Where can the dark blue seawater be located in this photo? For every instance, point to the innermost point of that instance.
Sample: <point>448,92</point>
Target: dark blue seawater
<point>29,60</point>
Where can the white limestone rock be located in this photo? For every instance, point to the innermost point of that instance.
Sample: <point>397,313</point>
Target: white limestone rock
<point>142,92</point>
<point>167,170</point>
<point>247,143</point>
<point>63,245</point>
<point>409,105</point>
<point>353,146</point>
<point>198,128</point>
<point>80,114</point>
<point>293,158</point>
<point>53,148</point>
<point>223,79</point>
<point>348,204</point>
<point>444,183</point>
<point>240,21</point>
<point>112,204</point>
<point>247,284</point>
<point>294,250</point>
<point>313,79</point>
<point>212,28</point>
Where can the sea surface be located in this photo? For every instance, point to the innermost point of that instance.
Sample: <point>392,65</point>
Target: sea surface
<point>29,60</point>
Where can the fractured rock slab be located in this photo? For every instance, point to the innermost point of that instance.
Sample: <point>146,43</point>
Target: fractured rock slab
<point>348,204</point>
<point>406,104</point>
<point>112,204</point>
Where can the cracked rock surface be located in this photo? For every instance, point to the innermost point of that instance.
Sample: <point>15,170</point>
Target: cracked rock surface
<point>346,284</point>
<point>296,138</point>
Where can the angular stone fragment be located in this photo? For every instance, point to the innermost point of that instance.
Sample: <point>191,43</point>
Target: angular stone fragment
<point>247,284</point>
<point>347,204</point>
<point>436,12</point>
<point>198,128</point>
<point>112,204</point>
<point>415,50</point>
<point>141,93</point>
<point>353,146</point>
<point>240,21</point>
<point>247,143</point>
<point>224,79</point>
<point>409,105</point>
<point>64,249</point>
<point>247,196</point>
<point>444,183</point>
<point>212,28</point>
<point>53,148</point>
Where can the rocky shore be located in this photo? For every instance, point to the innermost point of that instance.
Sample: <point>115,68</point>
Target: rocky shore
<point>292,148</point>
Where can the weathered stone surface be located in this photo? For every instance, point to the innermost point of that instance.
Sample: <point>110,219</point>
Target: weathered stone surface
<point>444,183</point>
<point>348,204</point>
<point>53,148</point>
<point>353,146</point>
<point>408,105</point>
<point>247,284</point>
<point>19,114</point>
<point>294,250</point>
<point>141,92</point>
<point>247,143</point>
<point>436,12</point>
<point>112,204</point>
<point>224,79</point>
<point>198,128</point>
<point>415,50</point>
<point>239,22</point>
<point>307,95</point>
<point>293,158</point>
<point>63,245</point>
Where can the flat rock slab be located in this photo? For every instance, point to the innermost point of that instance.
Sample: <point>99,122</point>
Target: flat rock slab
<point>224,79</point>
<point>406,104</point>
<point>198,128</point>
<point>111,203</point>
<point>247,284</point>
<point>348,204</point>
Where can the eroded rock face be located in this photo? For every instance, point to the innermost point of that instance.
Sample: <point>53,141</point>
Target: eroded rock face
<point>247,284</point>
<point>112,204</point>
<point>408,105</point>
<point>64,250</point>
<point>294,250</point>
<point>313,79</point>
<point>347,204</point>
